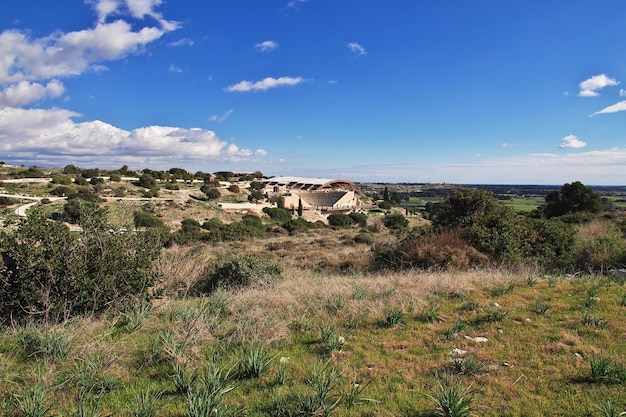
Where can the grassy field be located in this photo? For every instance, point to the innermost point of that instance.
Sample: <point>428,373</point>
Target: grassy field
<point>352,344</point>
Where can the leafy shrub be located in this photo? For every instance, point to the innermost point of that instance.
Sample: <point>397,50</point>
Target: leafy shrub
<point>148,220</point>
<point>298,225</point>
<point>396,221</point>
<point>339,220</point>
<point>147,181</point>
<point>63,191</point>
<point>7,201</point>
<point>211,192</point>
<point>550,242</point>
<point>234,188</point>
<point>115,178</point>
<point>242,271</point>
<point>359,218</point>
<point>53,274</point>
<point>61,180</point>
<point>279,214</point>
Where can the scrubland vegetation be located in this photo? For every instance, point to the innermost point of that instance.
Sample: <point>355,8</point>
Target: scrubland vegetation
<point>175,308</point>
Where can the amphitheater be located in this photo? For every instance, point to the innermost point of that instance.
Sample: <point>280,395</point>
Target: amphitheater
<point>319,194</point>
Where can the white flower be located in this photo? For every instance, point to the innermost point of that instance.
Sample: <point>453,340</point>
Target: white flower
<point>341,340</point>
<point>284,360</point>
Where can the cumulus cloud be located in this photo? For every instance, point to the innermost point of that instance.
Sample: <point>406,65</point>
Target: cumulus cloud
<point>589,87</point>
<point>137,8</point>
<point>68,54</point>
<point>572,141</point>
<point>622,92</point>
<point>357,49</point>
<point>174,68</point>
<point>266,46</point>
<point>26,92</point>
<point>51,137</point>
<point>264,84</point>
<point>617,107</point>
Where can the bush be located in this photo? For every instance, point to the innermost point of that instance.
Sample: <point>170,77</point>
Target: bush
<point>234,188</point>
<point>599,246</point>
<point>396,221</point>
<point>61,180</point>
<point>7,201</point>
<point>142,219</point>
<point>243,271</point>
<point>447,249</point>
<point>63,191</point>
<point>550,242</point>
<point>115,178</point>
<point>359,218</point>
<point>52,274</point>
<point>279,214</point>
<point>339,220</point>
<point>147,181</point>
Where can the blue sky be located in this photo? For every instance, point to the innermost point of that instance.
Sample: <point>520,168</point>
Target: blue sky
<point>516,91</point>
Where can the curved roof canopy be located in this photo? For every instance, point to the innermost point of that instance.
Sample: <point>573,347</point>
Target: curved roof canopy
<point>310,183</point>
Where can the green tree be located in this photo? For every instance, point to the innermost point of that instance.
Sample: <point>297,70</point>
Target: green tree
<point>147,181</point>
<point>485,221</point>
<point>210,191</point>
<point>71,170</point>
<point>256,185</point>
<point>256,196</point>
<point>300,208</point>
<point>573,198</point>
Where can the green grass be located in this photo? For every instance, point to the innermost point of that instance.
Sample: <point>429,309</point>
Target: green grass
<point>537,360</point>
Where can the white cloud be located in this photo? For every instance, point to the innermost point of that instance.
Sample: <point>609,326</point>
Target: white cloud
<point>220,119</point>
<point>357,49</point>
<point>63,55</point>
<point>265,84</point>
<point>26,92</point>
<point>174,68</point>
<point>181,42</point>
<point>266,46</point>
<point>622,92</point>
<point>617,107</point>
<point>295,4</point>
<point>51,137</point>
<point>589,87</point>
<point>260,152</point>
<point>572,141</point>
<point>59,54</point>
<point>105,8</point>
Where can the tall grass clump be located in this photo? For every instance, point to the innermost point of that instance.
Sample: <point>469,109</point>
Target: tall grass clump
<point>254,361</point>
<point>393,316</point>
<point>206,400</point>
<point>145,404</point>
<point>452,399</point>
<point>34,402</point>
<point>605,369</point>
